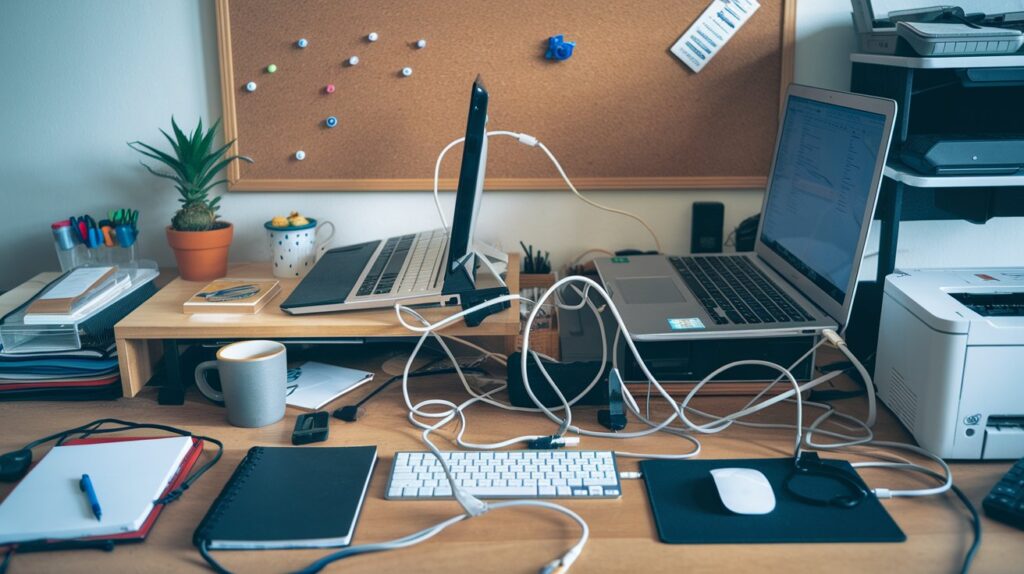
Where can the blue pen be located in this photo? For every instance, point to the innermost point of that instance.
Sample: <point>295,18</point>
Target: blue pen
<point>85,485</point>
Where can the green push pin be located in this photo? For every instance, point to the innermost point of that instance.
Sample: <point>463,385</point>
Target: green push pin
<point>271,69</point>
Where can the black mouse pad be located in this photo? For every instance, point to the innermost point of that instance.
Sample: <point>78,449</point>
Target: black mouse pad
<point>688,510</point>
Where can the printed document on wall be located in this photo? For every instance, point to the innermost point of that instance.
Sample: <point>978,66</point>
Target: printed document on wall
<point>709,34</point>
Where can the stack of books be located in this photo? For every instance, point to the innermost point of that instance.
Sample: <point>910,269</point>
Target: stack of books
<point>58,343</point>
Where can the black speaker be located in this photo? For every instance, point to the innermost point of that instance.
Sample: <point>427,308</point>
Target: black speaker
<point>706,229</point>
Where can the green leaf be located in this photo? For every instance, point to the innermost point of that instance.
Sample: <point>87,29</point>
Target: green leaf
<point>220,166</point>
<point>157,173</point>
<point>151,152</point>
<point>183,143</point>
<point>210,158</point>
<point>213,185</point>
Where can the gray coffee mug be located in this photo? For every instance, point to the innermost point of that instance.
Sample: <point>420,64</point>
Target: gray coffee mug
<point>254,380</point>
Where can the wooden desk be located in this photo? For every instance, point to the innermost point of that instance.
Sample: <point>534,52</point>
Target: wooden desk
<point>158,325</point>
<point>623,536</point>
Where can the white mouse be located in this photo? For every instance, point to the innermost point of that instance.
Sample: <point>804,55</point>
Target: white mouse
<point>744,490</point>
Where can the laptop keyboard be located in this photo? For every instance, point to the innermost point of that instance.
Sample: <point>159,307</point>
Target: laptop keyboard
<point>733,290</point>
<point>389,272</point>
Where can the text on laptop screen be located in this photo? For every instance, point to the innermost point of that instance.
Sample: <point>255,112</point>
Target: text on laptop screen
<point>820,188</point>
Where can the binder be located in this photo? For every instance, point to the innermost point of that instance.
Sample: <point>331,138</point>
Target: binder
<point>290,497</point>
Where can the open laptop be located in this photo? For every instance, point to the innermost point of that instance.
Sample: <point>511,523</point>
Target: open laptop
<point>429,267</point>
<point>802,275</point>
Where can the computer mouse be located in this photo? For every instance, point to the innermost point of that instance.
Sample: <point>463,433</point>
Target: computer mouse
<point>744,490</point>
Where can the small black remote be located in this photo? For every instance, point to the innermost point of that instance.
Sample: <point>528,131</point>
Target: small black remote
<point>311,427</point>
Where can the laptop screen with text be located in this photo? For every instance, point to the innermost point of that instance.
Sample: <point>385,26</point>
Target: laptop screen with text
<point>820,187</point>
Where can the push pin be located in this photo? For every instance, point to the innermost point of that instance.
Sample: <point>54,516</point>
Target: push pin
<point>302,43</point>
<point>271,69</point>
<point>250,87</point>
<point>421,43</point>
<point>558,49</point>
<point>406,72</point>
<point>329,88</point>
<point>331,121</point>
<point>372,36</point>
<point>353,60</point>
<point>300,155</point>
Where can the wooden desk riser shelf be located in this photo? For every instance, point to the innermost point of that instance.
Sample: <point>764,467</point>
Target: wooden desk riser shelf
<point>161,318</point>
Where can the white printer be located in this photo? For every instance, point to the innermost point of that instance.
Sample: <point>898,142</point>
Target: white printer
<point>950,359</point>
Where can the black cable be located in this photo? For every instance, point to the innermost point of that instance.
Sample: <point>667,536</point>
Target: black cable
<point>975,523</point>
<point>420,373</point>
<point>93,427</point>
<point>7,560</point>
<point>204,551</point>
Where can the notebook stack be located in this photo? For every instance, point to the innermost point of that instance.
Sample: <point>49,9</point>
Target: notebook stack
<point>57,343</point>
<point>83,374</point>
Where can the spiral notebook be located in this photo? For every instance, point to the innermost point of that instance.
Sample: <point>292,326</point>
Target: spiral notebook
<point>289,497</point>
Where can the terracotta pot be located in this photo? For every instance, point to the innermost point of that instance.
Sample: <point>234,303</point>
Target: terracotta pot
<point>201,255</point>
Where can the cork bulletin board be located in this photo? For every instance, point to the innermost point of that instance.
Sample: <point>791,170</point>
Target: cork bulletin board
<point>621,113</point>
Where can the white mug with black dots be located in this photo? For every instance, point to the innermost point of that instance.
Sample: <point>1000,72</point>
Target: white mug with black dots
<point>297,247</point>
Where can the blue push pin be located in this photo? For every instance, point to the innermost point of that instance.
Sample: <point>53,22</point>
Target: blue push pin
<point>332,121</point>
<point>559,49</point>
<point>302,43</point>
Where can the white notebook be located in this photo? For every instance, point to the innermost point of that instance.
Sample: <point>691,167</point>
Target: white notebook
<point>316,384</point>
<point>127,476</point>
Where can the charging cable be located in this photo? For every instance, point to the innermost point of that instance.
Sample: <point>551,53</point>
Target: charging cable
<point>531,141</point>
<point>678,422</point>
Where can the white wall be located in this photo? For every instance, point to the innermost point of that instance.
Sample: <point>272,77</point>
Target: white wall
<point>82,78</point>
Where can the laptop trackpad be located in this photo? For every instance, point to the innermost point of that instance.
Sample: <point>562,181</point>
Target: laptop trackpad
<point>641,290</point>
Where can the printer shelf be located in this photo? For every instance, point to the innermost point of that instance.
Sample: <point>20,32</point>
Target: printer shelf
<point>964,97</point>
<point>899,172</point>
<point>939,62</point>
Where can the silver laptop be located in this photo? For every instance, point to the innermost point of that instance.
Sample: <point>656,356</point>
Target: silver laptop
<point>425,268</point>
<point>802,275</point>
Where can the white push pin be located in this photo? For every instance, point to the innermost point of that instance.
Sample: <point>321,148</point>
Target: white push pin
<point>372,36</point>
<point>406,72</point>
<point>302,43</point>
<point>353,60</point>
<point>251,87</point>
<point>300,155</point>
<point>421,43</point>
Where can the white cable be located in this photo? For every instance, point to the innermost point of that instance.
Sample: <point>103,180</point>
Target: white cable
<point>531,141</point>
<point>592,203</point>
<point>715,424</point>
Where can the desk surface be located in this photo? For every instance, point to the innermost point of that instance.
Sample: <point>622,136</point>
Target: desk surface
<point>162,318</point>
<point>623,536</point>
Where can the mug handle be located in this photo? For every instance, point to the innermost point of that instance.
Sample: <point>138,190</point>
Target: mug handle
<point>203,385</point>
<point>320,245</point>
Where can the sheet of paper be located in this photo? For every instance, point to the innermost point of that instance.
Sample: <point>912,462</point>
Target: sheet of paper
<point>128,476</point>
<point>716,26</point>
<point>318,384</point>
<point>76,283</point>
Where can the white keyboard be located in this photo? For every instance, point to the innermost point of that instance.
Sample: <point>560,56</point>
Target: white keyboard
<point>423,265</point>
<point>506,474</point>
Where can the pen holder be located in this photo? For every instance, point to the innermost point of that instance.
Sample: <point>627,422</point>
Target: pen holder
<point>69,253</point>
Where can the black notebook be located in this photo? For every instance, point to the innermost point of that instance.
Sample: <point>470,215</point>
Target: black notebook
<point>290,497</point>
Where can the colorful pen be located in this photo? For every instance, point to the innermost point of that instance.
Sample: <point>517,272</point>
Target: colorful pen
<point>85,485</point>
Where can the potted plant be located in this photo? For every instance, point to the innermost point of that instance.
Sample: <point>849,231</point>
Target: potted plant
<point>199,239</point>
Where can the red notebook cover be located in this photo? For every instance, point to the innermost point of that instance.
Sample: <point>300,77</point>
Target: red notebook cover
<point>183,471</point>
<point>8,385</point>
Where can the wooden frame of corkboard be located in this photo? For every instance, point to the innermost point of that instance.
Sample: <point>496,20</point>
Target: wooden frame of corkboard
<point>621,114</point>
